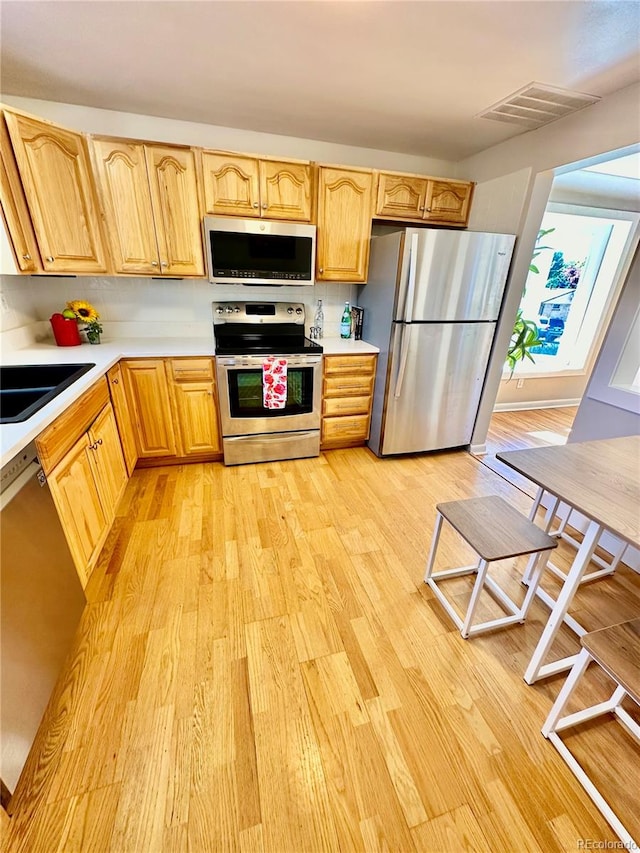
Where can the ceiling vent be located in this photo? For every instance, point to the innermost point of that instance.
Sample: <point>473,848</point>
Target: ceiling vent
<point>538,104</point>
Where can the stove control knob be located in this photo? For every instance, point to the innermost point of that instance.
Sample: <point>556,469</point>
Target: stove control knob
<point>298,310</point>
<point>236,310</point>
<point>289,310</point>
<point>228,310</point>
<point>218,310</point>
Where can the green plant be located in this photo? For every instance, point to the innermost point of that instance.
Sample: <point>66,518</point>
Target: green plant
<point>525,332</point>
<point>523,338</point>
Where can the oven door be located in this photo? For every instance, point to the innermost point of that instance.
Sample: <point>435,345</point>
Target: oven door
<point>242,411</point>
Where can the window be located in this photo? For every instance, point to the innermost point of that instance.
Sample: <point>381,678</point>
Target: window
<point>571,296</point>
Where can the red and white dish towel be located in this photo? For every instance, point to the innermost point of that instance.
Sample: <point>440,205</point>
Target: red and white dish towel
<point>274,383</point>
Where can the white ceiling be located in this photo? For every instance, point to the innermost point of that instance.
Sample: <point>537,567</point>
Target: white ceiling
<point>399,76</point>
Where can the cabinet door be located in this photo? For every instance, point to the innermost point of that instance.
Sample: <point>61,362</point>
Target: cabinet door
<point>76,497</point>
<point>58,186</point>
<point>344,224</point>
<point>14,209</point>
<point>197,417</point>
<point>193,388</point>
<point>107,461</point>
<point>123,418</point>
<point>448,201</point>
<point>148,397</point>
<point>401,196</point>
<point>285,190</point>
<point>231,184</point>
<point>176,213</point>
<point>122,178</point>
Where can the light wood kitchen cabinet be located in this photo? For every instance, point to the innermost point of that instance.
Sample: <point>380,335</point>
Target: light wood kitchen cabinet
<point>123,417</point>
<point>247,186</point>
<point>176,212</point>
<point>150,200</point>
<point>344,224</point>
<point>58,186</point>
<point>14,209</point>
<point>147,391</point>
<point>86,486</point>
<point>346,400</point>
<point>194,397</point>
<point>121,170</point>
<point>405,197</point>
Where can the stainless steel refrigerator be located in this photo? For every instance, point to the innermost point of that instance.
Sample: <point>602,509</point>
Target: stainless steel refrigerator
<point>431,304</point>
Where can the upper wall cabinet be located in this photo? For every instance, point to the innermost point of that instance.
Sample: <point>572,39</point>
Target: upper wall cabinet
<point>58,187</point>
<point>344,224</point>
<point>150,200</point>
<point>174,198</point>
<point>245,186</point>
<point>405,197</point>
<point>24,248</point>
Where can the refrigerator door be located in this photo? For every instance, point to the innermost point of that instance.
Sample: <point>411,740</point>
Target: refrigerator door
<point>434,384</point>
<point>452,275</point>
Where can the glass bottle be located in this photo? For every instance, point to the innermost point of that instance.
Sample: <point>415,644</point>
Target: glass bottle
<point>318,320</point>
<point>345,322</point>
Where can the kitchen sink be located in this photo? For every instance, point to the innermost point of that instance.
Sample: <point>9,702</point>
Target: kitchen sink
<point>26,388</point>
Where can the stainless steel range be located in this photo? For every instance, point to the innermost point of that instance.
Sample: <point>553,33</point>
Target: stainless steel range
<point>269,381</point>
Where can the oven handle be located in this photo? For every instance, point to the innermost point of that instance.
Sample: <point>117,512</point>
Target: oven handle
<point>238,362</point>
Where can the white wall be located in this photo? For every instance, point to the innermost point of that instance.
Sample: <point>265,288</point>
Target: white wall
<point>611,124</point>
<point>91,120</point>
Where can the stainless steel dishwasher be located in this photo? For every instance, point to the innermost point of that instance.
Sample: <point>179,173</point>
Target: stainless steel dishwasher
<point>40,607</point>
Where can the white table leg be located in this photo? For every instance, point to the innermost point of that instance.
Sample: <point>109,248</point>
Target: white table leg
<point>536,669</point>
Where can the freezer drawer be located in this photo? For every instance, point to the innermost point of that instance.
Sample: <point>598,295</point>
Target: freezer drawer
<point>432,403</point>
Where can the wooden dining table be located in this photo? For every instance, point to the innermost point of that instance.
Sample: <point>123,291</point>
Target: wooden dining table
<point>599,479</point>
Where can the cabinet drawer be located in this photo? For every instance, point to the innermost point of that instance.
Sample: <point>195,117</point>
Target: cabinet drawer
<point>191,369</point>
<point>345,429</point>
<point>346,406</point>
<point>348,386</point>
<point>338,364</point>
<point>56,440</point>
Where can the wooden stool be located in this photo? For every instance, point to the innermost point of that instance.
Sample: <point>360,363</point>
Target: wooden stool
<point>495,531</point>
<point>617,651</point>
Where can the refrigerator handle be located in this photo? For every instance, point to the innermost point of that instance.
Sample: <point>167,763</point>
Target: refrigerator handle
<point>411,283</point>
<point>404,353</point>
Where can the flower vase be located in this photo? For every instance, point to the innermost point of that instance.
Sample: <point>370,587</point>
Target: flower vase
<point>93,337</point>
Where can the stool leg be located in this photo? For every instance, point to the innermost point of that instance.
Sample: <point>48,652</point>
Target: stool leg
<point>534,580</point>
<point>577,671</point>
<point>475,595</point>
<point>434,547</point>
<point>548,522</point>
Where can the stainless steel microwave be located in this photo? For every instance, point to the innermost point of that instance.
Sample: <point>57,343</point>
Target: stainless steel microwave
<point>259,252</point>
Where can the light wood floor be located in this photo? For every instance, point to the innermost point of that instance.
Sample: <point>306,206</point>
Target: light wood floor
<point>522,429</point>
<point>262,668</point>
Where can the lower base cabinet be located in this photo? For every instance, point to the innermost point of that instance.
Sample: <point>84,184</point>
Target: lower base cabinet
<point>172,405</point>
<point>86,486</point>
<point>347,395</point>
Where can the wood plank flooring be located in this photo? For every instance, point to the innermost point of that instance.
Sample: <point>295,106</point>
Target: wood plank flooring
<point>261,668</point>
<point>522,429</point>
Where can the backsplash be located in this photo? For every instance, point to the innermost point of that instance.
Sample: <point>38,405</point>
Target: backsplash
<point>140,307</point>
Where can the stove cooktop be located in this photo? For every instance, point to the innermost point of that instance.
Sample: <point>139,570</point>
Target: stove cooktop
<point>284,346</point>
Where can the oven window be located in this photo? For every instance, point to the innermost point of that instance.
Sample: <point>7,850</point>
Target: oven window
<point>245,393</point>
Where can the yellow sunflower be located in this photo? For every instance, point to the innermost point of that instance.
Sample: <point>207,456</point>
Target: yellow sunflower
<point>84,311</point>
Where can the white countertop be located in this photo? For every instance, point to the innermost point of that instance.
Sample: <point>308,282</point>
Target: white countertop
<point>14,437</point>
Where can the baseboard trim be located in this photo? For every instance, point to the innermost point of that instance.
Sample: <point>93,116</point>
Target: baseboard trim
<point>534,404</point>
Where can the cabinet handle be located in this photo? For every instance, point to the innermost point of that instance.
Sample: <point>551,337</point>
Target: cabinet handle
<point>421,208</point>
<point>99,441</point>
<point>93,447</point>
<point>255,204</point>
<point>264,206</point>
<point>154,263</point>
<point>115,381</point>
<point>26,257</point>
<point>49,260</point>
<point>164,264</point>
<point>321,270</point>
<point>428,209</point>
